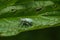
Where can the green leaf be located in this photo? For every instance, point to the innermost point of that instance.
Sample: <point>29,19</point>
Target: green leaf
<point>10,17</point>
<point>10,26</point>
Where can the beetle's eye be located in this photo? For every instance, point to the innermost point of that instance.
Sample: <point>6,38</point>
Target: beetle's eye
<point>26,22</point>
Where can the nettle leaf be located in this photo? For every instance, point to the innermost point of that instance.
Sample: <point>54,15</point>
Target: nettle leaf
<point>25,16</point>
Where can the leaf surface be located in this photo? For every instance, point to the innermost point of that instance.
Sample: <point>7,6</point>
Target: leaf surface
<point>10,17</point>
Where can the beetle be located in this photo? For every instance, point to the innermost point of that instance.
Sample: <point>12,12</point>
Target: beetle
<point>26,22</point>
